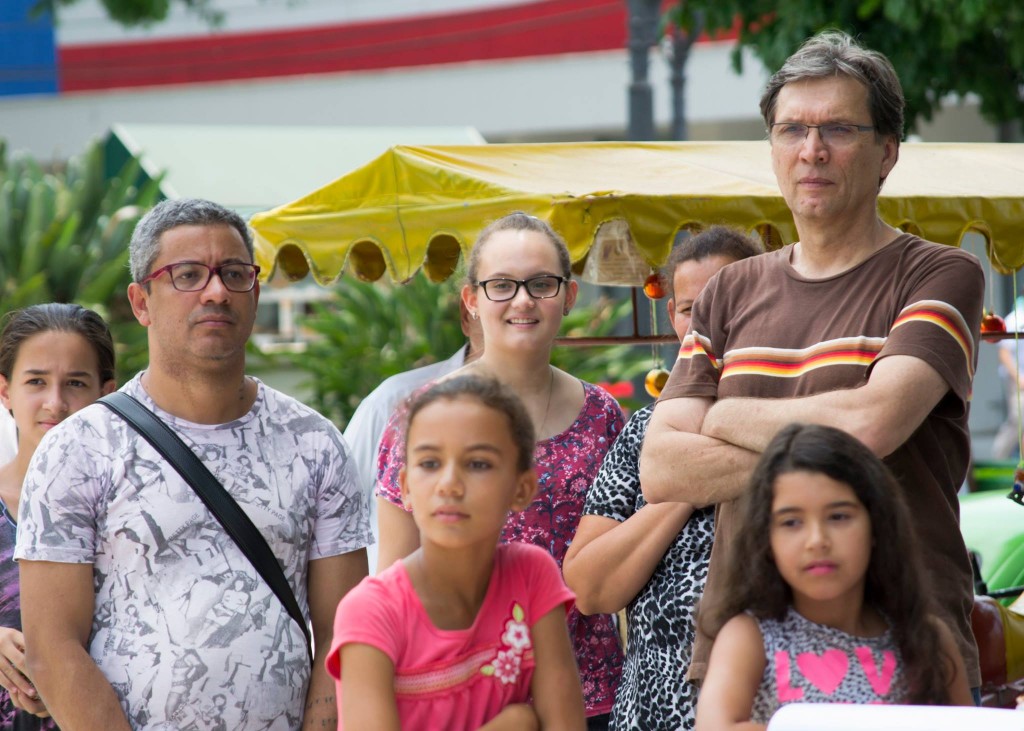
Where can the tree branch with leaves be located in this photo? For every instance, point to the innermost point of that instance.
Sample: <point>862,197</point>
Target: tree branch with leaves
<point>142,12</point>
<point>939,47</point>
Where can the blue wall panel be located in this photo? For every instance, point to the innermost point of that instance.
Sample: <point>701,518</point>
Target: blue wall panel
<point>28,54</point>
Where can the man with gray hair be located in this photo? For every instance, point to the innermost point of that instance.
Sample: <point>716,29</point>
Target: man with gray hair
<point>139,610</point>
<point>857,325</point>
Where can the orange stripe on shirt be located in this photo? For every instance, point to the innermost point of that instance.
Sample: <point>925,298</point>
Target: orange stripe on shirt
<point>944,316</point>
<point>791,363</point>
<point>780,369</point>
<point>695,345</point>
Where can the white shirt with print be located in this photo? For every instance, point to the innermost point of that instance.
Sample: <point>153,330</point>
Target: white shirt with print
<point>184,628</point>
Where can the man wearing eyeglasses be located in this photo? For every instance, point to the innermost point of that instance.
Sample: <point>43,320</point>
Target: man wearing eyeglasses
<point>857,325</point>
<point>140,611</point>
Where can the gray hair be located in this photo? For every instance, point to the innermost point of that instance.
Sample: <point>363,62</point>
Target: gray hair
<point>834,53</point>
<point>145,244</point>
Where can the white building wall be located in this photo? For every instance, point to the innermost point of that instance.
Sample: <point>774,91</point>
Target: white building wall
<point>581,96</point>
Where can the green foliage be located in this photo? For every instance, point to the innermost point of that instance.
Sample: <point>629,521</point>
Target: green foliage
<point>939,47</point>
<point>142,12</point>
<point>64,238</point>
<point>368,332</point>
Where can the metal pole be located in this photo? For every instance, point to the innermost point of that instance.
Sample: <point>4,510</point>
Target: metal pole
<point>643,24</point>
<point>682,42</point>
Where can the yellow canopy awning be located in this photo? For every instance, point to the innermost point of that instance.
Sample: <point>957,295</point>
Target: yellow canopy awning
<point>422,207</point>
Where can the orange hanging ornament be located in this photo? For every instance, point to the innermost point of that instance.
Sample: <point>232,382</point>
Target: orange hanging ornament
<point>654,288</point>
<point>992,324</point>
<point>655,381</point>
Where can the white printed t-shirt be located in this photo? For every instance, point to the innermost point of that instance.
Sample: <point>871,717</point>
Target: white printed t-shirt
<point>184,628</point>
<point>371,416</point>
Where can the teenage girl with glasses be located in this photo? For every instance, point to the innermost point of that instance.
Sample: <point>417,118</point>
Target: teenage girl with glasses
<point>575,422</point>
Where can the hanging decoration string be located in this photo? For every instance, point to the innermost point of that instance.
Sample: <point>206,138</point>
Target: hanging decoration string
<point>656,289</point>
<point>653,312</point>
<point>1017,302</point>
<point>1017,493</point>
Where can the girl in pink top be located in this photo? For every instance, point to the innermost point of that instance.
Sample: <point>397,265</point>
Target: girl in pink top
<point>463,633</point>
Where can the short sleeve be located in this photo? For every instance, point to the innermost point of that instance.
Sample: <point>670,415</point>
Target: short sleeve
<point>342,508</point>
<point>940,308</point>
<point>617,485</point>
<point>614,420</point>
<point>362,434</point>
<point>61,494</point>
<point>391,458</point>
<point>366,615</point>
<point>543,578</point>
<point>698,366</point>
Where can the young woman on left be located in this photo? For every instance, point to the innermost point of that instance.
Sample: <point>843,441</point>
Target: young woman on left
<point>54,360</point>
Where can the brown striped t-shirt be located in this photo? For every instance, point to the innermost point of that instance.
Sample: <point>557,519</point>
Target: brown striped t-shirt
<point>761,330</point>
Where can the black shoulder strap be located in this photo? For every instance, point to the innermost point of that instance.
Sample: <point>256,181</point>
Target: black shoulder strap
<point>212,493</point>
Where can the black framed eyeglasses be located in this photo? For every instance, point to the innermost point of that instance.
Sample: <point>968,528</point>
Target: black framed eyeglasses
<point>543,287</point>
<point>836,134</point>
<point>194,276</point>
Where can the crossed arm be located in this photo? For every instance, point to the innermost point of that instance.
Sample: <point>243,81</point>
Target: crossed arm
<point>883,413</point>
<point>702,452</point>
<point>610,561</point>
<point>680,464</point>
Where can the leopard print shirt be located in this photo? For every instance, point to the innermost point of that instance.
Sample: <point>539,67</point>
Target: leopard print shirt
<point>653,693</point>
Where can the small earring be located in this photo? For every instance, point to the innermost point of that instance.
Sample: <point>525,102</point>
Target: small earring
<point>474,315</point>
<point>565,311</point>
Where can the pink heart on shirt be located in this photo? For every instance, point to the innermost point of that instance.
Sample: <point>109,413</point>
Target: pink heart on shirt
<point>826,671</point>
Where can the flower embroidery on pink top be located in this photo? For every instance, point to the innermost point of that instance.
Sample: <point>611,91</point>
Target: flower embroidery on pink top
<point>507,664</point>
<point>517,635</point>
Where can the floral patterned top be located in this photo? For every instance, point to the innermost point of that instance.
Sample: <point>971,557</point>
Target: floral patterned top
<point>566,465</point>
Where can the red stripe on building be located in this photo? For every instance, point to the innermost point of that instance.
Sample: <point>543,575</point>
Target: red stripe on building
<point>549,27</point>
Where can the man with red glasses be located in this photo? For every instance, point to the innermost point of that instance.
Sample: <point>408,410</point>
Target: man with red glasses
<point>140,611</point>
<point>857,325</point>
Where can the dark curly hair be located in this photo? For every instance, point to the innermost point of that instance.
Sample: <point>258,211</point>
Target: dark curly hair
<point>713,241</point>
<point>895,583</point>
